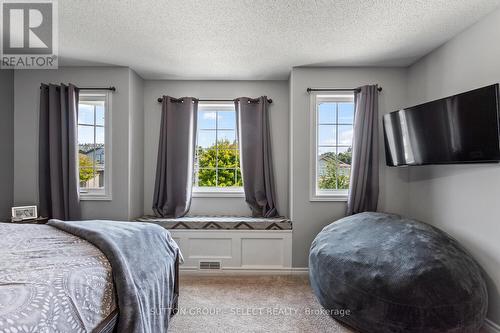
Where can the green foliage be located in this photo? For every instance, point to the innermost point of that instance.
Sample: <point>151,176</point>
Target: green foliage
<point>334,176</point>
<point>346,156</point>
<point>86,168</point>
<point>219,166</point>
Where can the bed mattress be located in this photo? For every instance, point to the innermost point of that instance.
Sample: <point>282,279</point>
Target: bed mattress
<point>51,281</point>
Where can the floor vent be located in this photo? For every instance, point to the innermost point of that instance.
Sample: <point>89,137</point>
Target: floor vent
<point>210,265</point>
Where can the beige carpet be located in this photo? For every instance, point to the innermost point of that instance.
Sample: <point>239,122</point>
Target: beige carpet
<point>250,304</point>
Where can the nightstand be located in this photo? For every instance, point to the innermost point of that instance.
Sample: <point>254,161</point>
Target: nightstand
<point>38,220</point>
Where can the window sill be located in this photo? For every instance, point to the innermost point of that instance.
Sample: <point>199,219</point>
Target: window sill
<point>95,197</point>
<point>341,197</point>
<point>218,194</point>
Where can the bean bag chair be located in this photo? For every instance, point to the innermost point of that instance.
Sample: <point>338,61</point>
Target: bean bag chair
<point>379,272</point>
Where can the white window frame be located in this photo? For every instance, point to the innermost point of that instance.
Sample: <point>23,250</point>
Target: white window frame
<point>316,194</point>
<point>106,194</point>
<point>218,192</point>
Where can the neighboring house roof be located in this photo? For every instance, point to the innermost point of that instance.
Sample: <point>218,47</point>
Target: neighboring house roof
<point>87,148</point>
<point>327,157</point>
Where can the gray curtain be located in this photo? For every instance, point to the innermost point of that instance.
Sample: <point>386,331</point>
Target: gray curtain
<point>174,167</point>
<point>364,187</point>
<point>58,175</point>
<point>255,151</point>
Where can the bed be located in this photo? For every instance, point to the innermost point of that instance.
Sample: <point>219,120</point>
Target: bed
<point>52,280</point>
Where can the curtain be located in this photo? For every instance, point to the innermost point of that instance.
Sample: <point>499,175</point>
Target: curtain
<point>58,175</point>
<point>176,150</point>
<point>255,152</point>
<point>363,186</point>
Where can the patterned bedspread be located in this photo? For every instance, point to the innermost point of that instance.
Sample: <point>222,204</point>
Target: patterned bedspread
<point>51,281</point>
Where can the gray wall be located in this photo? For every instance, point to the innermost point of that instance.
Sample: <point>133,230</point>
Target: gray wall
<point>26,103</point>
<point>279,118</point>
<point>136,146</point>
<point>459,199</point>
<point>6,142</point>
<point>310,217</point>
<point>463,200</point>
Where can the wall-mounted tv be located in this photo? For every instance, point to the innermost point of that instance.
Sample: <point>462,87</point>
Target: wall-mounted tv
<point>463,128</point>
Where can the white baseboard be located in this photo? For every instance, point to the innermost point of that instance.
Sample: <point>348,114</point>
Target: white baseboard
<point>246,271</point>
<point>491,327</point>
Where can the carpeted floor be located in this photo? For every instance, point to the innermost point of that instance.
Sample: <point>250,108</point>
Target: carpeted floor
<point>250,304</point>
<point>282,303</point>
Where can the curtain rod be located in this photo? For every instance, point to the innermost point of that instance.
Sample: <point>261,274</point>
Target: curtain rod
<point>160,100</point>
<point>112,88</point>
<point>90,88</point>
<point>326,89</point>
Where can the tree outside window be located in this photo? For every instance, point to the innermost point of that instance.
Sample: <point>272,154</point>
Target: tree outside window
<point>217,160</point>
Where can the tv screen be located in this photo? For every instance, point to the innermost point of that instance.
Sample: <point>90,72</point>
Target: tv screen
<point>457,129</point>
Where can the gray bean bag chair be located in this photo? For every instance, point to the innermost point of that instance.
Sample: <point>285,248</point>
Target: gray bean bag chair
<point>379,272</point>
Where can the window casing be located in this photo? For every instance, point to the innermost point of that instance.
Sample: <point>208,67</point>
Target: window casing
<point>217,171</point>
<point>94,145</point>
<point>332,125</point>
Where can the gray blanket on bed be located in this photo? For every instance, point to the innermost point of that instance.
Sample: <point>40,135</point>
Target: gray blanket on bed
<point>142,257</point>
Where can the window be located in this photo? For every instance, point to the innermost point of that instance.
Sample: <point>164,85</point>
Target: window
<point>332,127</point>
<point>94,162</point>
<point>217,157</point>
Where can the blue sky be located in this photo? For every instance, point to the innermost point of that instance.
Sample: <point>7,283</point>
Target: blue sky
<point>327,113</point>
<point>329,128</point>
<point>86,116</point>
<point>208,121</point>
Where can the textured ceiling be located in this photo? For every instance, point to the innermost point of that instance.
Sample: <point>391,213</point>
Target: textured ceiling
<point>256,39</point>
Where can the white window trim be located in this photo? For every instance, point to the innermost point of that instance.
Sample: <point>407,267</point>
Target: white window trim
<point>98,195</point>
<point>217,192</point>
<point>314,193</point>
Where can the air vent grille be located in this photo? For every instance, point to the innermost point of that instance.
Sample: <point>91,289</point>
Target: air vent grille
<point>210,265</point>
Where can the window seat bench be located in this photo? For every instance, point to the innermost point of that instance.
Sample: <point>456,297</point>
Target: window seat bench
<point>220,222</point>
<point>231,243</point>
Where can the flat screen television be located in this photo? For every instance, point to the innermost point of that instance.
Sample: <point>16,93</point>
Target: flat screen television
<point>463,128</point>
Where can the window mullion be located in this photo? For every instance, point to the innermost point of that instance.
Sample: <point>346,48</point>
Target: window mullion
<point>95,148</point>
<point>336,145</point>
<point>217,148</point>
<point>316,155</point>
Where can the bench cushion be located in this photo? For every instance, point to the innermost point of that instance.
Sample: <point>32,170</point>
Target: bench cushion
<point>221,222</point>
